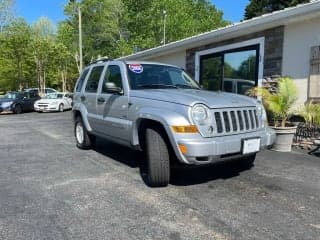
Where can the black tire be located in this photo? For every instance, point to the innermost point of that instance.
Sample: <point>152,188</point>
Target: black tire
<point>157,157</point>
<point>247,162</point>
<point>87,141</point>
<point>17,109</point>
<point>61,107</point>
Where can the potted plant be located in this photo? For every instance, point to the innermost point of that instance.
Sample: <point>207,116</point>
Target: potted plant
<point>278,101</point>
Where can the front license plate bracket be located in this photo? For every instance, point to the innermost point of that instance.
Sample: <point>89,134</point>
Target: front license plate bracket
<point>250,145</point>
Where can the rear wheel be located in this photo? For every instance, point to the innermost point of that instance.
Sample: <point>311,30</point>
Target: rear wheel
<point>157,153</point>
<point>83,138</point>
<point>18,109</point>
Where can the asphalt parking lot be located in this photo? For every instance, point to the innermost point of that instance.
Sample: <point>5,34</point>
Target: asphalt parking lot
<point>49,189</point>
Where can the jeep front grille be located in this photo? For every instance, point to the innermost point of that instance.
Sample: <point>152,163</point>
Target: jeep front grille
<point>231,121</point>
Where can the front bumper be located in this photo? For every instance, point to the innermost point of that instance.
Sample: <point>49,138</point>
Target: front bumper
<point>8,109</point>
<point>46,108</point>
<point>210,150</point>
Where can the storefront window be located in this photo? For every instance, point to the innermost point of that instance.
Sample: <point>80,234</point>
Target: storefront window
<point>231,71</point>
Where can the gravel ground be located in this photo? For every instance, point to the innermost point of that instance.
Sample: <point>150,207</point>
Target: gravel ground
<point>49,189</point>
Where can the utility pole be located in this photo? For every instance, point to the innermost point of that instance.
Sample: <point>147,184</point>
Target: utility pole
<point>164,13</point>
<point>80,35</point>
<point>80,40</point>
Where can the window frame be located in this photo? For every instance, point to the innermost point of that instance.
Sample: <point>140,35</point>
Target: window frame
<point>222,54</point>
<point>88,76</point>
<point>84,82</point>
<point>104,73</point>
<point>260,42</point>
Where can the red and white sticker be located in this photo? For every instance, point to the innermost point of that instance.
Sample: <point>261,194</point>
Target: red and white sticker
<point>136,68</point>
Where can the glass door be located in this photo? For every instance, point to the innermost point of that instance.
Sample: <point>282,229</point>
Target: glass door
<point>234,70</point>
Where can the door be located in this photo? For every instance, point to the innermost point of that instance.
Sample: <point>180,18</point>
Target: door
<point>89,96</point>
<point>28,101</point>
<point>112,105</point>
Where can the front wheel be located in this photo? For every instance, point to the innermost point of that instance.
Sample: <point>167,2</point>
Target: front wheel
<point>83,138</point>
<point>157,153</point>
<point>18,109</point>
<point>61,107</point>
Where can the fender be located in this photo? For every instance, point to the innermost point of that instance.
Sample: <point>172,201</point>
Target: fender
<point>84,114</point>
<point>165,117</point>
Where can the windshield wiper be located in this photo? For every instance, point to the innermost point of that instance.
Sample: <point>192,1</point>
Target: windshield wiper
<point>157,85</point>
<point>186,86</point>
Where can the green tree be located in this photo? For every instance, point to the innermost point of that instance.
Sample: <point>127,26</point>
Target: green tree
<point>257,8</point>
<point>15,55</point>
<point>43,49</point>
<point>6,12</point>
<point>184,18</point>
<point>115,28</point>
<point>66,57</point>
<point>101,26</point>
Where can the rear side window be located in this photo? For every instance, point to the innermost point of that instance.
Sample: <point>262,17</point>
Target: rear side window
<point>93,80</point>
<point>81,80</point>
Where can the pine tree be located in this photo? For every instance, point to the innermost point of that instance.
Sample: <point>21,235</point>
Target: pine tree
<point>259,7</point>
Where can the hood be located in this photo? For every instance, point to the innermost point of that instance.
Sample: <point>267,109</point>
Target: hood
<point>47,101</point>
<point>190,97</point>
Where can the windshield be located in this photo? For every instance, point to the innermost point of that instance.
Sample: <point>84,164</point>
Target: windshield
<point>142,76</point>
<point>53,96</point>
<point>12,96</point>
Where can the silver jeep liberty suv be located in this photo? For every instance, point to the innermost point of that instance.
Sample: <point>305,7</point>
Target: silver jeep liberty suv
<point>159,109</point>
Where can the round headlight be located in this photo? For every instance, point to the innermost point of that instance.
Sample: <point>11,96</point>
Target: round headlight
<point>202,117</point>
<point>200,113</point>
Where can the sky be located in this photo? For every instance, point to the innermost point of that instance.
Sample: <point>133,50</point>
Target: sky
<point>32,10</point>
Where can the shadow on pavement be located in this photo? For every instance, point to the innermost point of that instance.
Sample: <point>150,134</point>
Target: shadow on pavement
<point>119,153</point>
<point>196,175</point>
<point>180,175</point>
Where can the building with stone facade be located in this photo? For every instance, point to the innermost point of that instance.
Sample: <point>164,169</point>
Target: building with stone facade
<point>241,55</point>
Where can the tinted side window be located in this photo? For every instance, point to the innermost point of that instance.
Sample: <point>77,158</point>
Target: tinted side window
<point>93,80</point>
<point>49,90</point>
<point>113,75</point>
<point>81,80</point>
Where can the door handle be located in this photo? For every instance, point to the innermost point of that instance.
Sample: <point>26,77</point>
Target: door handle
<point>83,98</point>
<point>101,100</point>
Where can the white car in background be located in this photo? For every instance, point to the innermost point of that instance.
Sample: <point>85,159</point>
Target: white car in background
<point>54,102</point>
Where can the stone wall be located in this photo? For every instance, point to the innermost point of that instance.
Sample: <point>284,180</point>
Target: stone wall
<point>272,55</point>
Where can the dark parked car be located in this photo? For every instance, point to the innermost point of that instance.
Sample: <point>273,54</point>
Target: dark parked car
<point>18,102</point>
<point>36,90</point>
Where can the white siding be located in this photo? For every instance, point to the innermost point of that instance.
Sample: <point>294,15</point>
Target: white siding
<point>176,58</point>
<point>298,39</point>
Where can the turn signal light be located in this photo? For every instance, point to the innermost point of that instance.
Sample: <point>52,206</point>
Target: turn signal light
<point>185,129</point>
<point>183,148</point>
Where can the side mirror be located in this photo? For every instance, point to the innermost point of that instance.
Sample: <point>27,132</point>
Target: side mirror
<point>110,87</point>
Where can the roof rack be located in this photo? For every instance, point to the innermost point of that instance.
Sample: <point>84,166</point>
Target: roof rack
<point>100,60</point>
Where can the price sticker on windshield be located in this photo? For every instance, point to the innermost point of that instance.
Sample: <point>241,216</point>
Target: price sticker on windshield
<point>136,68</point>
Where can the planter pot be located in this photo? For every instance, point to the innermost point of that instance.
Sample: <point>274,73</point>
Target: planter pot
<point>284,138</point>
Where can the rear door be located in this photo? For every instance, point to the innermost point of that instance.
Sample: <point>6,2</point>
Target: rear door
<point>112,107</point>
<point>89,95</point>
